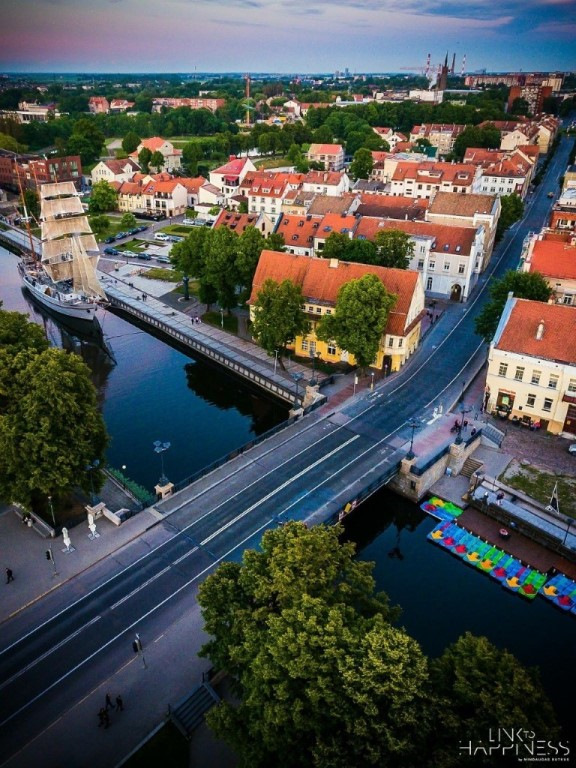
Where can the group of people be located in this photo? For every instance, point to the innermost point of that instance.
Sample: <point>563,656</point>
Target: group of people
<point>196,319</point>
<point>104,714</point>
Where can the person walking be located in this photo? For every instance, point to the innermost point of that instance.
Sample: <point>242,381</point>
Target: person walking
<point>119,704</point>
<point>106,718</point>
<point>101,714</point>
<point>9,575</point>
<point>109,704</point>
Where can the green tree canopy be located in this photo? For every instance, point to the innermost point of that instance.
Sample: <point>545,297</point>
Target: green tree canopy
<point>100,224</point>
<point>524,285</point>
<point>17,335</point>
<point>103,198</point>
<point>359,319</point>
<point>251,243</point>
<point>322,676</point>
<point>51,428</point>
<point>465,679</point>
<point>473,136</point>
<point>191,155</point>
<point>278,315</point>
<point>130,142</point>
<point>394,248</point>
<point>221,271</point>
<point>512,210</point>
<point>144,158</point>
<point>128,221</point>
<point>361,166</point>
<point>89,137</point>
<point>157,160</point>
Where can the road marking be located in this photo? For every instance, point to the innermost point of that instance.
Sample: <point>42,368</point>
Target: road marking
<point>139,587</point>
<point>276,490</point>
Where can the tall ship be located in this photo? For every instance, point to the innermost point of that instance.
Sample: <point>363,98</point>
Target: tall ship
<point>64,277</point>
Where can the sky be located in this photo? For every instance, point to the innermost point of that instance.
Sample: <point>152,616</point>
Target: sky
<point>285,36</point>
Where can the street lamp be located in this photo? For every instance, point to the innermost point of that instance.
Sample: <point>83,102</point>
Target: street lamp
<point>123,476</point>
<point>313,380</point>
<point>297,377</point>
<point>160,447</point>
<point>275,359</point>
<point>221,317</point>
<point>90,468</point>
<point>372,380</point>
<point>412,424</point>
<point>52,511</point>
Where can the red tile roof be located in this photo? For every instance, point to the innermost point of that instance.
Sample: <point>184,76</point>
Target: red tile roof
<point>299,231</point>
<point>447,239</point>
<point>554,259</point>
<point>325,149</point>
<point>321,279</point>
<point>558,341</point>
<point>237,222</point>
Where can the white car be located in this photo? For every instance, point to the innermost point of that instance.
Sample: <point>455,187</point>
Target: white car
<point>572,448</point>
<point>162,236</point>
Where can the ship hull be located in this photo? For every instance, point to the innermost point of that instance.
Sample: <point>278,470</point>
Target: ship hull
<point>77,308</point>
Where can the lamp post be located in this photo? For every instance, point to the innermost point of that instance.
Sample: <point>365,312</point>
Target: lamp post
<point>275,359</point>
<point>313,380</point>
<point>567,531</point>
<point>160,447</point>
<point>371,380</point>
<point>297,377</point>
<point>412,424</point>
<point>52,512</point>
<point>221,318</point>
<point>90,468</point>
<point>123,476</point>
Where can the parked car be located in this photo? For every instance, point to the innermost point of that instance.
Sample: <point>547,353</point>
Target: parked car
<point>110,239</point>
<point>142,227</point>
<point>111,251</point>
<point>144,256</point>
<point>163,259</point>
<point>121,236</point>
<point>162,236</point>
<point>572,449</point>
<point>550,194</point>
<point>130,254</point>
<point>134,231</point>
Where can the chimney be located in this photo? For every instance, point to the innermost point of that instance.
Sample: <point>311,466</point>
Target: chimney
<point>540,330</point>
<point>333,263</point>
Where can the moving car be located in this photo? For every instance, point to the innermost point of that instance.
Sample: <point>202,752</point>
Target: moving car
<point>572,449</point>
<point>111,251</point>
<point>144,256</point>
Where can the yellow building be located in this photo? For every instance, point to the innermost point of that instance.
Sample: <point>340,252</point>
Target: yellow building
<point>531,376</point>
<point>321,279</point>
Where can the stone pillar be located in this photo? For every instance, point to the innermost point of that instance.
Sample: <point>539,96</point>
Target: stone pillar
<point>163,491</point>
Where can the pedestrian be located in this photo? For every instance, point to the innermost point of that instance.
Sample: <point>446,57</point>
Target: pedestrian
<point>101,714</point>
<point>106,719</point>
<point>109,704</point>
<point>119,704</point>
<point>499,497</point>
<point>9,575</point>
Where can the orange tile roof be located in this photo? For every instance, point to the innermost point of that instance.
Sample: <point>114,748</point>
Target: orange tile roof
<point>325,149</point>
<point>153,143</point>
<point>461,174</point>
<point>330,178</point>
<point>455,204</point>
<point>320,282</point>
<point>554,259</point>
<point>237,222</point>
<point>336,222</point>
<point>299,231</point>
<point>447,239</point>
<point>519,334</point>
<point>192,184</point>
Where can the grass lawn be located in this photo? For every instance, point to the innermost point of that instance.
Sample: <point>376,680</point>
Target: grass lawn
<point>167,747</point>
<point>215,319</point>
<point>539,485</point>
<point>160,273</point>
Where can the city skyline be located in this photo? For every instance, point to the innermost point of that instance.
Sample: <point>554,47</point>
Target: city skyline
<point>117,36</point>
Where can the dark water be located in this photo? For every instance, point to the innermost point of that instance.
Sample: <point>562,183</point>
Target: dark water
<point>155,392</point>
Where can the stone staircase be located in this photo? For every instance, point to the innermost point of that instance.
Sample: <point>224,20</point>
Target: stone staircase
<point>470,466</point>
<point>189,713</point>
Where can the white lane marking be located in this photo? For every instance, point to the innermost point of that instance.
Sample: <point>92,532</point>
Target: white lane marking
<point>139,587</point>
<point>276,490</point>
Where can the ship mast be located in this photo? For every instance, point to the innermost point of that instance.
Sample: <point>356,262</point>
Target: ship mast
<point>32,257</point>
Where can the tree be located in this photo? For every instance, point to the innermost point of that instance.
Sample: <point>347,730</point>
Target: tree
<point>17,334</point>
<point>128,221</point>
<point>520,107</point>
<point>8,142</point>
<point>130,142</point>
<point>157,160</point>
<point>103,198</point>
<point>394,248</point>
<point>336,246</point>
<point>89,137</point>
<point>144,158</point>
<point>191,156</point>
<point>465,679</point>
<point>32,203</point>
<point>189,255</point>
<point>323,678</point>
<point>251,243</point>
<point>100,224</point>
<point>278,316</point>
<point>512,210</point>
<point>524,285</point>
<point>361,166</point>
<point>220,270</point>
<point>275,241</point>
<point>359,319</point>
<point>51,429</point>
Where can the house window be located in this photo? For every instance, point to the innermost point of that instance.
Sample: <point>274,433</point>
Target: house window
<point>318,310</point>
<point>502,369</point>
<point>421,264</point>
<point>547,404</point>
<point>429,284</point>
<point>431,265</point>
<point>400,342</point>
<point>446,266</point>
<point>535,377</point>
<point>553,381</point>
<point>461,268</point>
<point>530,401</point>
<point>567,298</point>
<point>519,375</point>
<point>328,311</point>
<point>304,345</point>
<point>572,385</point>
<point>331,348</point>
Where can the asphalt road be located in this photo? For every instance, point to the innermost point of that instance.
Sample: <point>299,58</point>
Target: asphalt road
<point>52,656</point>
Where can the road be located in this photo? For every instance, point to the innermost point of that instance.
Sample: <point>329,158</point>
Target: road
<point>57,650</point>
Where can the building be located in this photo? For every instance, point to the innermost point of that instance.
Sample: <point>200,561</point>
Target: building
<point>228,178</point>
<point>331,156</point>
<point>299,233</point>
<point>121,105</point>
<point>553,255</point>
<point>425,179</point>
<point>504,173</point>
<point>114,170</point>
<point>553,79</point>
<point>531,375</point>
<point>533,94</point>
<point>331,183</point>
<point>152,194</point>
<point>440,135</point>
<point>32,112</point>
<point>468,211</point>
<point>238,222</point>
<point>172,157</point>
<point>206,102</point>
<point>98,105</point>
<point>321,279</point>
<point>31,171</point>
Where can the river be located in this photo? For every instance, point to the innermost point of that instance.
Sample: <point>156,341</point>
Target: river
<point>155,392</point>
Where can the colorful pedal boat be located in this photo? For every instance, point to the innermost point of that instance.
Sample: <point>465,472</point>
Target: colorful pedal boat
<point>561,591</point>
<point>443,510</point>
